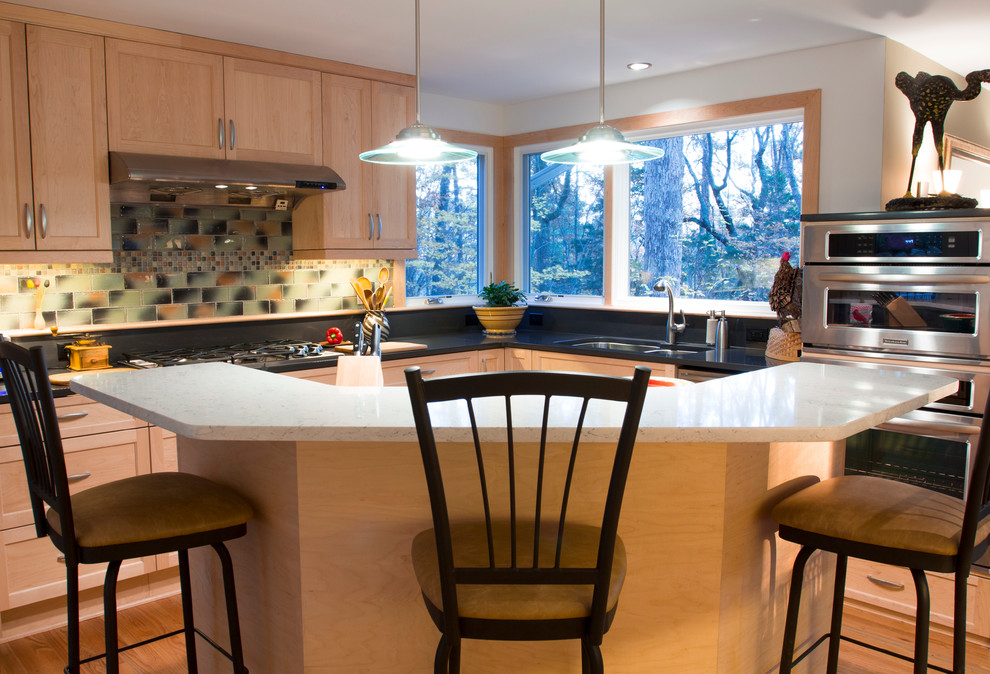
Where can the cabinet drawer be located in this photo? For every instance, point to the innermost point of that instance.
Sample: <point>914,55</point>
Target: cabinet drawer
<point>565,362</point>
<point>323,375</point>
<point>393,372</point>
<point>90,460</point>
<point>77,415</point>
<point>892,588</point>
<point>31,569</point>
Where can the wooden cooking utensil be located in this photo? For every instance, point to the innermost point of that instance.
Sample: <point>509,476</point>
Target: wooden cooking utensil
<point>383,275</point>
<point>378,298</point>
<point>369,301</point>
<point>388,293</point>
<point>359,291</point>
<point>365,283</point>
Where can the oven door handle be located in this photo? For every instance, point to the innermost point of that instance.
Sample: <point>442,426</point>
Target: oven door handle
<point>941,279</point>
<point>914,426</point>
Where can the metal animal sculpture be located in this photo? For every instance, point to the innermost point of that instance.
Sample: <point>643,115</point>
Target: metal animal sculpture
<point>930,97</point>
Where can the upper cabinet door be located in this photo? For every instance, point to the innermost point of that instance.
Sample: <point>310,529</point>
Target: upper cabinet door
<point>394,108</point>
<point>16,199</point>
<point>273,112</point>
<point>165,101</point>
<point>67,95</point>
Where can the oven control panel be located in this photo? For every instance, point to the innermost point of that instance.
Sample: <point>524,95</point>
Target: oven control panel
<point>937,245</point>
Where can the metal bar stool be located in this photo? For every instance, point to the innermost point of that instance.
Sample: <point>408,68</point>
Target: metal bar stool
<point>522,565</point>
<point>126,519</point>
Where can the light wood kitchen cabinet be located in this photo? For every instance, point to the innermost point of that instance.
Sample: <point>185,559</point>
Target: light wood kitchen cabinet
<point>100,445</point>
<point>376,215</point>
<point>525,359</point>
<point>891,588</point>
<point>57,200</point>
<point>170,101</point>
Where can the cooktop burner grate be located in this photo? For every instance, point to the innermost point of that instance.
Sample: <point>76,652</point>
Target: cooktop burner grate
<point>247,353</point>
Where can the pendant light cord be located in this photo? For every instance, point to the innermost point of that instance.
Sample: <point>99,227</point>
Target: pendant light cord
<point>601,60</point>
<point>417,58</point>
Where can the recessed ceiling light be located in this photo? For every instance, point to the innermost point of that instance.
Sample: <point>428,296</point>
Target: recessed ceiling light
<point>221,187</point>
<point>251,187</point>
<point>639,65</point>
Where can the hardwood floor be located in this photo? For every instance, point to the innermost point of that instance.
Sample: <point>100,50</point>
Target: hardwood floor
<point>45,653</point>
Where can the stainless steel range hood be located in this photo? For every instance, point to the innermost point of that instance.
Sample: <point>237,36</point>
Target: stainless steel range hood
<point>148,178</point>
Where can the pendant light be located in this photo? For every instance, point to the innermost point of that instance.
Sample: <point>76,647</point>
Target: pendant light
<point>602,144</point>
<point>417,144</point>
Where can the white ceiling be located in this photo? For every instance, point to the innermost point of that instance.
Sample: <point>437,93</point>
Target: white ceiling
<point>506,51</point>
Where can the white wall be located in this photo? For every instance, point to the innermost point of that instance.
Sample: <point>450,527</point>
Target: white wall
<point>969,120</point>
<point>850,75</point>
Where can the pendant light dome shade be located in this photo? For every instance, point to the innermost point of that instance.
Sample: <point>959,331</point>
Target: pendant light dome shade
<point>417,144</point>
<point>602,144</point>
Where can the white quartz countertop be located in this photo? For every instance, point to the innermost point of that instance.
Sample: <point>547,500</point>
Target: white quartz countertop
<point>794,402</point>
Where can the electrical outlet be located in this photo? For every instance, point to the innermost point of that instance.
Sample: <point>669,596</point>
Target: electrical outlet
<point>757,334</point>
<point>281,204</point>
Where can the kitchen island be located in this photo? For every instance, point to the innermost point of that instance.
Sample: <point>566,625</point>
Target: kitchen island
<point>325,583</point>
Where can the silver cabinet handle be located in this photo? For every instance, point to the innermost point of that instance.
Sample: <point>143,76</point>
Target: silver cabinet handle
<point>60,559</point>
<point>886,583</point>
<point>379,226</point>
<point>428,371</point>
<point>44,222</point>
<point>78,476</point>
<point>220,131</point>
<point>371,227</point>
<point>232,136</point>
<point>72,416</point>
<point>29,219</point>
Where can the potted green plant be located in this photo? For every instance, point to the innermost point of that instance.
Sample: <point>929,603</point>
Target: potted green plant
<point>504,307</point>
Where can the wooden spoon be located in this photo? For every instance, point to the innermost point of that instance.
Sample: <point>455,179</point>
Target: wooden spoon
<point>383,275</point>
<point>368,299</point>
<point>359,291</point>
<point>365,283</point>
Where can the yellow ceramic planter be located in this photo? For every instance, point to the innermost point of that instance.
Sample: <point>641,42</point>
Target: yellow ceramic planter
<point>500,320</point>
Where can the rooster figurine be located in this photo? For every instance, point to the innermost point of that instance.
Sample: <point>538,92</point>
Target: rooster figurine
<point>785,295</point>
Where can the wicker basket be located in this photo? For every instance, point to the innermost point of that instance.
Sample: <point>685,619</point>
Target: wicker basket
<point>784,345</point>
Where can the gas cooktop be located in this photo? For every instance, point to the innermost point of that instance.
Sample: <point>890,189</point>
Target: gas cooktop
<point>252,354</point>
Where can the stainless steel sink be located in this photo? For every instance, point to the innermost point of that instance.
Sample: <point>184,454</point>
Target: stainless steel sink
<point>633,346</point>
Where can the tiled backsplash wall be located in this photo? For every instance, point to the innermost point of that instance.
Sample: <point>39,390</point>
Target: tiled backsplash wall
<point>175,262</point>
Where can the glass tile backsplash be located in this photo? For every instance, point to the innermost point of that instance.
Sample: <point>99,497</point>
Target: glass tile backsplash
<point>175,262</point>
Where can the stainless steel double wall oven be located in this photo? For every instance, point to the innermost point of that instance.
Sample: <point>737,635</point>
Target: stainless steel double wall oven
<point>907,291</point>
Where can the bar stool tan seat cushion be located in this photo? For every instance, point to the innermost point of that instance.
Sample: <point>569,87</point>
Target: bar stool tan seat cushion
<point>879,512</point>
<point>150,507</point>
<point>517,602</point>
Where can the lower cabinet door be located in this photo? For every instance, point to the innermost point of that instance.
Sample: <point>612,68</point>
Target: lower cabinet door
<point>892,588</point>
<point>32,569</point>
<point>90,460</point>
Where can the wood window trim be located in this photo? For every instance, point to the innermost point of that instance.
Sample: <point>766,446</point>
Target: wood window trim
<point>809,102</point>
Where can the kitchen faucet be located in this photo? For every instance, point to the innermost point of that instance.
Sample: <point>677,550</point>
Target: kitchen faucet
<point>673,327</point>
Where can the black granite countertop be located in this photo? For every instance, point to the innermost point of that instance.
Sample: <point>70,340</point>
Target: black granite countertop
<point>735,359</point>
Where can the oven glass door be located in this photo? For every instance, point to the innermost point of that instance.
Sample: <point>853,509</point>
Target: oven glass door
<point>926,459</point>
<point>936,311</point>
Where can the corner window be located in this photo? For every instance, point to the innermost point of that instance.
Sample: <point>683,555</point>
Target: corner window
<point>565,232</point>
<point>451,233</point>
<point>714,214</point>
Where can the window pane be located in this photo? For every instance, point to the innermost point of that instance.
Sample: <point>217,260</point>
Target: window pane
<point>715,213</point>
<point>449,217</point>
<point>566,228</point>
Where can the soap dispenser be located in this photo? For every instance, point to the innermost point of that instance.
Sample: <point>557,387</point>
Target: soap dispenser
<point>711,325</point>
